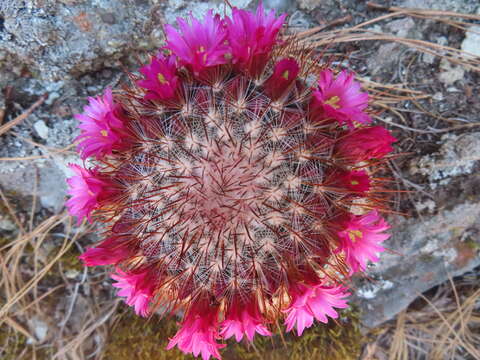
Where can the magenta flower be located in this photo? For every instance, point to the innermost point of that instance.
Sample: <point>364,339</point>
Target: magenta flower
<point>365,143</point>
<point>357,181</point>
<point>87,190</point>
<point>198,332</point>
<point>360,238</point>
<point>161,80</point>
<point>110,251</point>
<point>252,37</point>
<point>137,288</point>
<point>199,45</point>
<point>284,75</point>
<point>311,302</point>
<point>243,319</point>
<point>339,99</point>
<point>102,127</point>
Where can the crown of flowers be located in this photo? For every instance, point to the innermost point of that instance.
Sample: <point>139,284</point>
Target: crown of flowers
<point>228,186</point>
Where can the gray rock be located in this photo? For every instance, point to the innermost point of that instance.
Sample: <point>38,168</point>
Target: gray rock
<point>299,21</point>
<point>401,27</point>
<point>388,53</point>
<point>384,58</point>
<point>182,8</point>
<point>429,249</point>
<point>19,178</point>
<point>464,6</point>
<point>428,58</point>
<point>427,252</point>
<point>471,44</point>
<point>58,39</point>
<point>457,156</point>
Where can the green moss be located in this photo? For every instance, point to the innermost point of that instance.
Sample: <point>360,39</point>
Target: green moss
<point>332,341</point>
<point>426,258</point>
<point>472,244</point>
<point>11,343</point>
<point>70,260</point>
<point>135,338</point>
<point>13,346</point>
<point>4,241</point>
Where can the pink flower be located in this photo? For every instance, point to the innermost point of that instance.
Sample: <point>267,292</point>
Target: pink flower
<point>87,190</point>
<point>161,80</point>
<point>252,37</point>
<point>200,45</point>
<point>110,251</point>
<point>284,74</point>
<point>198,332</point>
<point>243,319</point>
<point>360,238</point>
<point>339,99</point>
<point>137,287</point>
<point>102,127</point>
<point>365,144</point>
<point>311,302</point>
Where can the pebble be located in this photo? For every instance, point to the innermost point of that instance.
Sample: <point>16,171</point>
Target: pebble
<point>6,224</point>
<point>450,73</point>
<point>471,43</point>
<point>40,329</point>
<point>279,6</point>
<point>41,129</point>
<point>299,21</point>
<point>438,96</point>
<point>308,5</point>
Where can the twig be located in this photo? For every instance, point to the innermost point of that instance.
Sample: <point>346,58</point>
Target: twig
<point>5,127</point>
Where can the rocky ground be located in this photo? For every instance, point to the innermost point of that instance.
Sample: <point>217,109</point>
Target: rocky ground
<point>62,51</point>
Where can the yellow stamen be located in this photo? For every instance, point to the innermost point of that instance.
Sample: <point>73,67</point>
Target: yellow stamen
<point>104,132</point>
<point>354,235</point>
<point>161,79</point>
<point>354,182</point>
<point>201,49</point>
<point>285,75</point>
<point>333,102</point>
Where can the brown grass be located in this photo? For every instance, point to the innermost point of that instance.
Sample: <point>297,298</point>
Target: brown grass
<point>446,326</point>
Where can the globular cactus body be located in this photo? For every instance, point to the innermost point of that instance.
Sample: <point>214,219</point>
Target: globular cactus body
<point>231,186</point>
